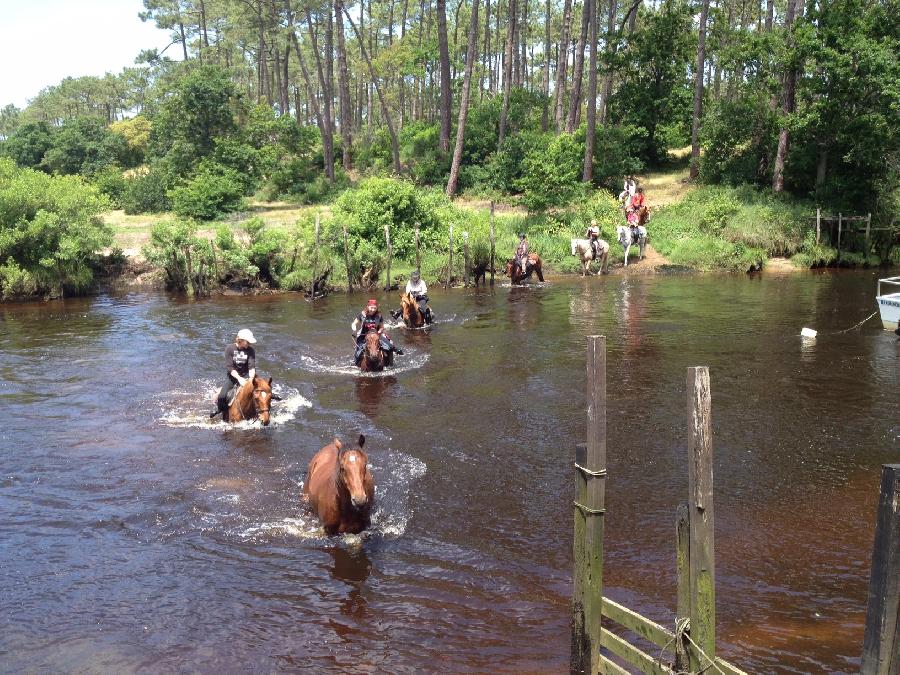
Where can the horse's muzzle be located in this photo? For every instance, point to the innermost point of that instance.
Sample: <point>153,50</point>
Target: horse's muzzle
<point>359,502</point>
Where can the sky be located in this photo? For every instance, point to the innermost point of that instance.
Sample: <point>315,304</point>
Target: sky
<point>44,41</point>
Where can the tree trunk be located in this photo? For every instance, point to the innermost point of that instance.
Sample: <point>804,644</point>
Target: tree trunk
<point>327,112</point>
<point>610,50</point>
<point>578,70</point>
<point>344,87</point>
<point>446,96</point>
<point>698,92</point>
<point>487,63</point>
<point>523,34</point>
<point>395,149</point>
<point>561,64</point>
<point>787,101</point>
<point>507,70</point>
<point>587,174</point>
<point>545,116</point>
<point>464,102</point>
<point>311,97</point>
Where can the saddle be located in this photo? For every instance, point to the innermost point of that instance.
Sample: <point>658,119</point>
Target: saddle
<point>595,248</point>
<point>232,394</point>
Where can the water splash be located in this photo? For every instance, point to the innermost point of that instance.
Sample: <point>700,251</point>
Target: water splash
<point>181,409</point>
<point>334,366</point>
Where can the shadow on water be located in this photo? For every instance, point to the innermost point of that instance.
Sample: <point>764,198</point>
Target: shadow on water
<point>351,565</point>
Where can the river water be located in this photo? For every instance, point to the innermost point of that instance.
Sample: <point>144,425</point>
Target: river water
<point>137,535</point>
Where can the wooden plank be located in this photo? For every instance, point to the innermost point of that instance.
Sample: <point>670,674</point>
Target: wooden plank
<point>881,644</point>
<point>700,481</point>
<point>636,623</point>
<point>466,259</point>
<point>589,516</point>
<point>634,656</point>
<point>450,258</point>
<point>387,239</point>
<point>868,233</point>
<point>818,225</point>
<point>418,251</point>
<point>347,261</point>
<point>493,239</point>
<point>609,667</point>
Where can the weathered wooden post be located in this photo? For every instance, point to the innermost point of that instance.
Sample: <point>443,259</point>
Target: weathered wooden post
<point>840,227</point>
<point>418,252</point>
<point>466,259</point>
<point>868,231</point>
<point>683,575</point>
<point>818,225</point>
<point>315,272</point>
<point>881,645</point>
<point>590,465</point>
<point>450,258</point>
<point>347,261</point>
<point>492,243</point>
<point>700,482</point>
<point>387,239</point>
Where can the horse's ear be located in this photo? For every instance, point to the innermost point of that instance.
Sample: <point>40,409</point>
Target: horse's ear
<point>270,381</point>
<point>362,440</point>
<point>337,443</point>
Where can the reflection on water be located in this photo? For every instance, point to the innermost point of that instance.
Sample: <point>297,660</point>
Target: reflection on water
<point>135,532</point>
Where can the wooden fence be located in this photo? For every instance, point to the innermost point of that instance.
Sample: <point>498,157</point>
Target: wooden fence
<point>691,647</point>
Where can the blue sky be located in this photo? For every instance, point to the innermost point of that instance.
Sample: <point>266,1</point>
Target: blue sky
<point>44,41</point>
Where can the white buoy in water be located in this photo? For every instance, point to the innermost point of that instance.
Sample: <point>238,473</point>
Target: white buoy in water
<point>808,333</point>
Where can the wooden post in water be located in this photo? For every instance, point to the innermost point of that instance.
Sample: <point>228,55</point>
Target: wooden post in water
<point>418,252</point>
<point>881,645</point>
<point>387,239</point>
<point>868,232</point>
<point>683,575</point>
<point>450,258</point>
<point>312,285</point>
<point>700,481</point>
<point>590,470</point>
<point>492,243</point>
<point>466,259</point>
<point>818,225</point>
<point>347,261</point>
<point>840,227</point>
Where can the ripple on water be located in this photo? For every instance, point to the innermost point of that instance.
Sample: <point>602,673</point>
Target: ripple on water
<point>180,408</point>
<point>335,366</point>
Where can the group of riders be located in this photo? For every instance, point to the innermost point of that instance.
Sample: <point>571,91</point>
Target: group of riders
<point>240,357</point>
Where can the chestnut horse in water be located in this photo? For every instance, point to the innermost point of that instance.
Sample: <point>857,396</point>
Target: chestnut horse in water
<point>514,272</point>
<point>373,357</point>
<point>413,317</point>
<point>251,402</point>
<point>340,489</point>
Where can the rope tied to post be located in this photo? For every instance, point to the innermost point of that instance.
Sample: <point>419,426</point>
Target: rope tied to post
<point>588,511</point>
<point>683,632</point>
<point>600,473</point>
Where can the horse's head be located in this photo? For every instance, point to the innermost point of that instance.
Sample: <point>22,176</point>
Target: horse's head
<point>353,465</point>
<point>510,267</point>
<point>373,353</point>
<point>623,235</point>
<point>262,398</point>
<point>408,307</point>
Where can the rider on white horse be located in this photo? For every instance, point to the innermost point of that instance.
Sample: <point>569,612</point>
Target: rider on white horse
<point>598,246</point>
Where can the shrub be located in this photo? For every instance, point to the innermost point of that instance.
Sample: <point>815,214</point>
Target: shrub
<point>552,175</point>
<point>111,182</point>
<point>147,193</point>
<point>214,190</point>
<point>85,146</point>
<point>28,144</point>
<point>186,258</point>
<point>50,231</point>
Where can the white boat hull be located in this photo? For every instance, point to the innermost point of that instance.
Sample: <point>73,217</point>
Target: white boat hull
<point>889,306</point>
<point>888,298</point>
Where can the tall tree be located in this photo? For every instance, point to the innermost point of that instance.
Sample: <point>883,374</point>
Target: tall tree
<point>545,115</point>
<point>507,70</point>
<point>464,102</point>
<point>561,63</point>
<point>446,95</point>
<point>788,98</point>
<point>587,174</point>
<point>698,92</point>
<point>578,71</point>
<point>344,105</point>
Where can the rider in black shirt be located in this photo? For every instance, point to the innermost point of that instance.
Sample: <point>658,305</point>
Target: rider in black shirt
<point>240,363</point>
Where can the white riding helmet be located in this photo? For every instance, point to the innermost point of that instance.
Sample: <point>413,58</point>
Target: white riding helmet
<point>246,334</point>
<point>594,230</point>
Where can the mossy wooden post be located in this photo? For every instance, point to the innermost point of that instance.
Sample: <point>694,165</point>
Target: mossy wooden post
<point>840,227</point>
<point>315,272</point>
<point>868,232</point>
<point>450,259</point>
<point>418,252</point>
<point>590,471</point>
<point>347,261</point>
<point>700,481</point>
<point>881,645</point>
<point>683,574</point>
<point>387,239</point>
<point>466,259</point>
<point>818,225</point>
<point>493,239</point>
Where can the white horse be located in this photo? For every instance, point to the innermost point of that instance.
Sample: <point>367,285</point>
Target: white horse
<point>585,252</point>
<point>623,234</point>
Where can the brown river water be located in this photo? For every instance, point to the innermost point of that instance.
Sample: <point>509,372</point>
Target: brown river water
<point>138,536</point>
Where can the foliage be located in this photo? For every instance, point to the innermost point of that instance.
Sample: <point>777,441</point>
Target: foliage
<point>186,258</point>
<point>28,144</point>
<point>211,192</point>
<point>136,132</point>
<point>147,192</point>
<point>50,232</point>
<point>111,182</point>
<point>552,172</point>
<point>85,146</point>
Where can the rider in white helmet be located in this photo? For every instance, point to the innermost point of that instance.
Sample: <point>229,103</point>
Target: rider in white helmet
<point>593,236</point>
<point>240,362</point>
